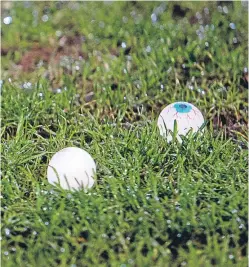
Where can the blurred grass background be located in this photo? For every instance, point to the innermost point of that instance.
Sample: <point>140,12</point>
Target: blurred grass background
<point>96,75</point>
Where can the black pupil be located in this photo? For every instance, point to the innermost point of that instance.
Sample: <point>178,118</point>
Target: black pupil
<point>183,106</point>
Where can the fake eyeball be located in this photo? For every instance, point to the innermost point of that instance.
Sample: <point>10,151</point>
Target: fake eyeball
<point>71,168</point>
<point>186,115</point>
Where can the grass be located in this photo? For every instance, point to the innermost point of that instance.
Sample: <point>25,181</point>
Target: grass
<point>154,203</point>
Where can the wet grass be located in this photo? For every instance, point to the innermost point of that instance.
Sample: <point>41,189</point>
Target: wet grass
<point>98,79</point>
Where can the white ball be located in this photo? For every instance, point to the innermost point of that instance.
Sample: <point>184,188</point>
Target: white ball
<point>186,115</point>
<point>72,168</point>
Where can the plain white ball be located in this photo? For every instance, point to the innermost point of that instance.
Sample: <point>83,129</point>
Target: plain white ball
<point>72,168</point>
<point>186,115</point>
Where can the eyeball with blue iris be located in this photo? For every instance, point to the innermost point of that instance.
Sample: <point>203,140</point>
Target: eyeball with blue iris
<point>186,115</point>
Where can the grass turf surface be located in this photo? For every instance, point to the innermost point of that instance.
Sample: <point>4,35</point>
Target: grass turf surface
<point>154,204</point>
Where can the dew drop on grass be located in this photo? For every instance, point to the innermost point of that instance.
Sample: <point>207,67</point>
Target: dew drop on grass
<point>104,236</point>
<point>231,257</point>
<point>225,9</point>
<point>7,20</point>
<point>62,250</point>
<point>179,235</point>
<point>190,86</point>
<point>46,223</point>
<point>27,85</point>
<point>238,219</point>
<point>7,231</point>
<point>219,8</point>
<point>123,45</point>
<point>153,17</point>
<point>58,33</point>
<point>241,226</point>
<point>235,40</point>
<point>45,18</point>
<point>69,196</point>
<point>232,26</point>
<point>178,208</point>
<point>148,49</point>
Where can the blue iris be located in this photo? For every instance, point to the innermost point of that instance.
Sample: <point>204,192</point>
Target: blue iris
<point>182,107</point>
